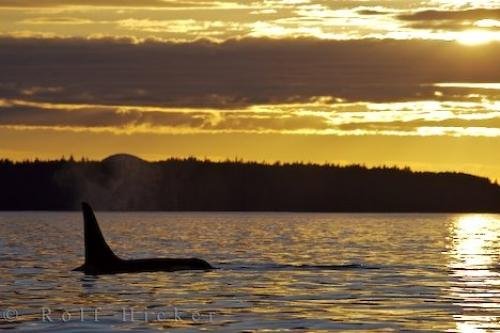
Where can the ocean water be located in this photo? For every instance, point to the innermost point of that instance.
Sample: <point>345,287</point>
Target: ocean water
<point>278,272</point>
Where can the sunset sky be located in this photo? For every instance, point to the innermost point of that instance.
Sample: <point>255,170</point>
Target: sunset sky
<point>407,83</point>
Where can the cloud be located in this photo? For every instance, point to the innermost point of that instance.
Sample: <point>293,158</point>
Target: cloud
<point>225,19</point>
<point>371,12</point>
<point>471,14</point>
<point>105,3</point>
<point>182,27</point>
<point>236,73</point>
<point>312,118</point>
<point>493,123</point>
<point>115,118</point>
<point>57,20</point>
<point>451,20</point>
<point>96,117</point>
<point>262,5</point>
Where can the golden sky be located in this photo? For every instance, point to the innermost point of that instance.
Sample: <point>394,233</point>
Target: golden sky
<point>408,83</point>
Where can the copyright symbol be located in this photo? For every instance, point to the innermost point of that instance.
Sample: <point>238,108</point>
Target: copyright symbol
<point>10,315</point>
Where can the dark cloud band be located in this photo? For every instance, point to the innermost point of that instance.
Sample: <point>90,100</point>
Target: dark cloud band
<point>235,73</point>
<point>450,20</point>
<point>471,14</point>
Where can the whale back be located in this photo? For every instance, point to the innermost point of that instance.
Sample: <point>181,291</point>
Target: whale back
<point>98,254</point>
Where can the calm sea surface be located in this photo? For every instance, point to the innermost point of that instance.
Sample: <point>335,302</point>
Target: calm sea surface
<point>278,272</point>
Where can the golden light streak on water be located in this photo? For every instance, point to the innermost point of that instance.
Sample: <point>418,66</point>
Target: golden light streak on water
<point>474,258</point>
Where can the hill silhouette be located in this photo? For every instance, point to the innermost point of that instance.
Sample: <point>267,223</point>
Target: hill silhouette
<point>125,182</point>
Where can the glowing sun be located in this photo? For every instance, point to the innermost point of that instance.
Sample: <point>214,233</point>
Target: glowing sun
<point>475,37</point>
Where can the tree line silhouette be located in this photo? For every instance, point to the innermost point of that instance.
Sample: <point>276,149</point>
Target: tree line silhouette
<point>125,182</point>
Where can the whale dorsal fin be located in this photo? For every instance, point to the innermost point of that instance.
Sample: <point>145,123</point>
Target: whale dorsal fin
<point>97,251</point>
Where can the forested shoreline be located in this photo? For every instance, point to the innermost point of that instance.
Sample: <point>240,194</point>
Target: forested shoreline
<point>124,182</point>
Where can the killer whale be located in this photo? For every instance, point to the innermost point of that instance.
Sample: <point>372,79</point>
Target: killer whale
<point>100,259</point>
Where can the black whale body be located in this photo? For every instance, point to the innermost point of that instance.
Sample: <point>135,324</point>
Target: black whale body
<point>100,259</point>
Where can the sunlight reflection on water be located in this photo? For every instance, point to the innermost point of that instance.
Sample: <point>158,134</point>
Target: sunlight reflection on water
<point>295,272</point>
<point>474,256</point>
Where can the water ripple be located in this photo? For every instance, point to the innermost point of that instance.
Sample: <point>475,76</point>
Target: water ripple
<point>277,272</point>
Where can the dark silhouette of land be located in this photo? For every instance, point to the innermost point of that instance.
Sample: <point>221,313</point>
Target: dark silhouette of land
<point>124,182</point>
<point>100,259</point>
